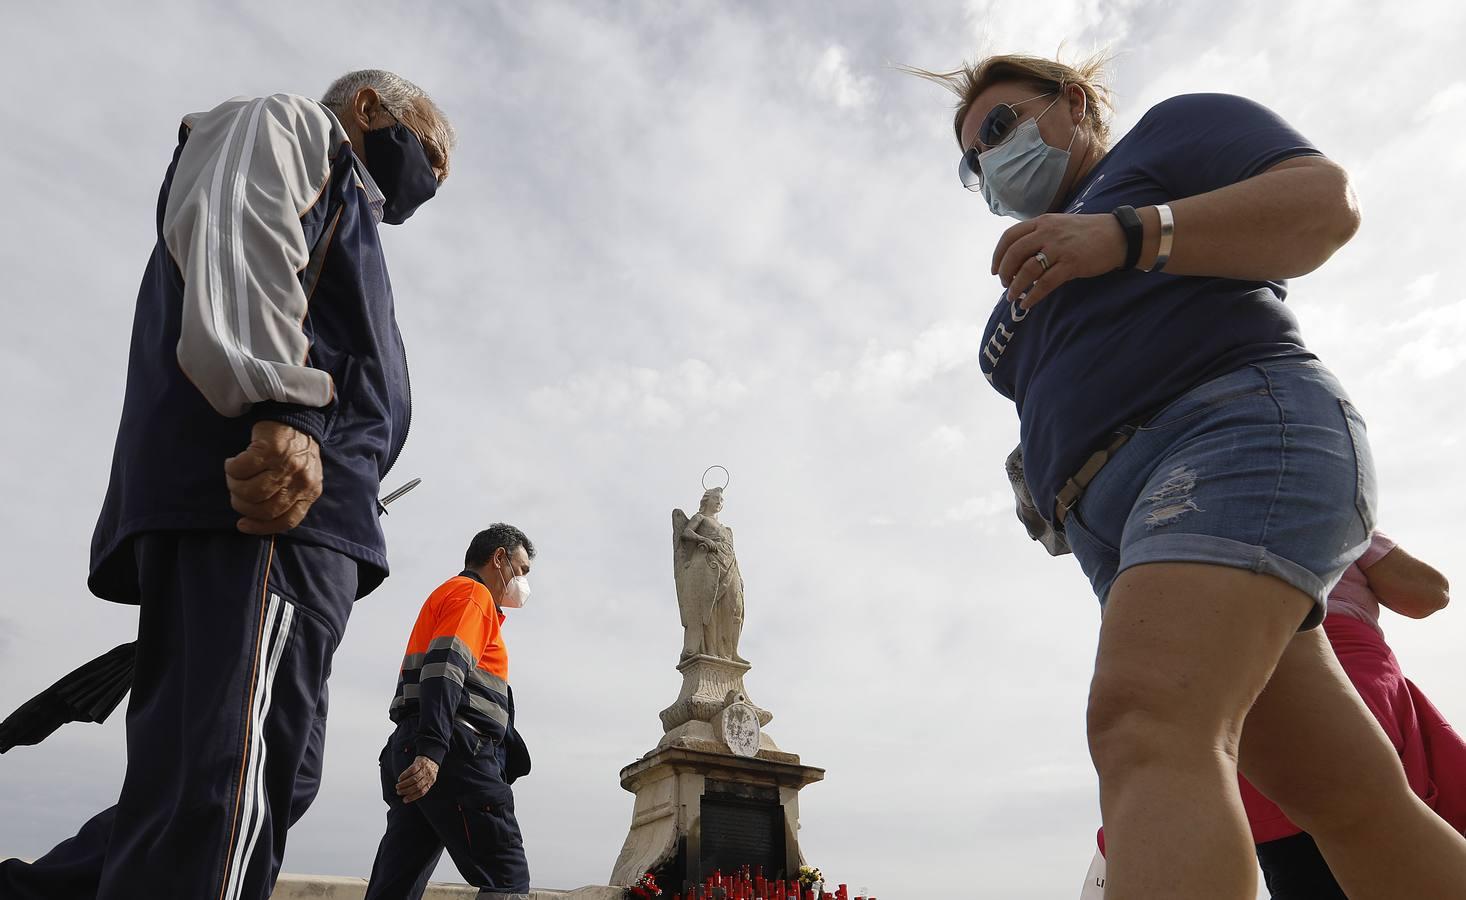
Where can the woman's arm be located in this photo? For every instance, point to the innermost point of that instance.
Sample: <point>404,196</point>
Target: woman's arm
<point>1281,223</point>
<point>1407,585</point>
<point>1285,222</point>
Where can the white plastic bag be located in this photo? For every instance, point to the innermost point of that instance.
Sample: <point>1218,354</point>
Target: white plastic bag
<point>1094,882</point>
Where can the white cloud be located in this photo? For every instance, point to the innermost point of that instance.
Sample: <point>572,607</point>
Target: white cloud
<point>833,80</point>
<point>937,350</point>
<point>638,395</point>
<point>1423,289</point>
<point>981,507</point>
<point>826,384</point>
<point>652,256</point>
<point>944,439</point>
<point>1432,343</point>
<point>1444,102</point>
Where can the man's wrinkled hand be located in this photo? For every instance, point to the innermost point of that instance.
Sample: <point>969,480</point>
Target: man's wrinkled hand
<point>273,483</point>
<point>417,780</point>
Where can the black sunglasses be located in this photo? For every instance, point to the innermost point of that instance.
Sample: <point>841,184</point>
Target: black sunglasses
<point>997,126</point>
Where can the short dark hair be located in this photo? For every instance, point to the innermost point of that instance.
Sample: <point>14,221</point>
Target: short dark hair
<point>481,548</point>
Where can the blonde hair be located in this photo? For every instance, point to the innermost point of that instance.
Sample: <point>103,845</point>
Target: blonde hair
<point>1045,74</point>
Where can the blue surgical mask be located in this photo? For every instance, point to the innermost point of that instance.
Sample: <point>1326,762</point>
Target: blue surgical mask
<point>1021,176</point>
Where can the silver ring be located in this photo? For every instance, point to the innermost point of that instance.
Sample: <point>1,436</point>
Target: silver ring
<point>1042,260</point>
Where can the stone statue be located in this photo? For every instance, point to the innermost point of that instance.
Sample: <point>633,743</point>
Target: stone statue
<point>714,748</point>
<point>709,586</point>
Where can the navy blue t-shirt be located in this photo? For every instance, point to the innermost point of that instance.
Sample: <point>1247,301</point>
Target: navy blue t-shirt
<point>1102,352</point>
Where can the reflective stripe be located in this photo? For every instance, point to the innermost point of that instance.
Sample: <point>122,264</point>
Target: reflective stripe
<point>489,708</point>
<point>481,705</point>
<point>451,671</point>
<point>454,643</point>
<point>413,660</point>
<point>489,680</point>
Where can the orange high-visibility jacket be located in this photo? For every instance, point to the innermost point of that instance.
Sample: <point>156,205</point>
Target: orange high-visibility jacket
<point>455,672</point>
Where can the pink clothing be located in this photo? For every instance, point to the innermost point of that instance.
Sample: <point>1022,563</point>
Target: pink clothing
<point>1352,596</point>
<point>1431,751</point>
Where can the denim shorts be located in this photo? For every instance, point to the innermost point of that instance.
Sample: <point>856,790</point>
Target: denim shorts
<point>1266,468</point>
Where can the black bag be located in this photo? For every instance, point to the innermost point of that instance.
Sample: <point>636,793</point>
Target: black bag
<point>87,694</point>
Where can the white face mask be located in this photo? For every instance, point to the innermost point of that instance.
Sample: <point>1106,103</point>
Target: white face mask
<point>516,593</point>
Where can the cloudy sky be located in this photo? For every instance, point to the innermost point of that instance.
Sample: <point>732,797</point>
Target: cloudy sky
<point>686,234</point>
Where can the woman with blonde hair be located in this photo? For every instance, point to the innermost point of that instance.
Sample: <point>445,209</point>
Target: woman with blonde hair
<point>1209,473</point>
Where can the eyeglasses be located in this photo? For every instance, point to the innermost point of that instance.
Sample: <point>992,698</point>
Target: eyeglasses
<point>997,126</point>
<point>437,159</point>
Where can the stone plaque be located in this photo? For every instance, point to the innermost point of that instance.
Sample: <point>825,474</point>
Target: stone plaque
<point>740,832</point>
<point>740,729</point>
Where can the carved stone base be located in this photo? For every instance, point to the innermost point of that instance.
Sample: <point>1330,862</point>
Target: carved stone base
<point>750,807</point>
<point>707,683</point>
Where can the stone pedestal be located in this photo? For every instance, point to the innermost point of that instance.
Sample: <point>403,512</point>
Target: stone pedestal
<point>698,811</point>
<point>710,685</point>
<point>716,793</point>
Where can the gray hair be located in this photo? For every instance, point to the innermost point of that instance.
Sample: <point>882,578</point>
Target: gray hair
<point>399,97</point>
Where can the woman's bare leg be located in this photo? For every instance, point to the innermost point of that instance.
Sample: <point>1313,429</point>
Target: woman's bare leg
<point>1312,746</point>
<point>1184,650</point>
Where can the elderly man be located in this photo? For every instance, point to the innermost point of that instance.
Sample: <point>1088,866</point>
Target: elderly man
<point>447,767</point>
<point>266,398</point>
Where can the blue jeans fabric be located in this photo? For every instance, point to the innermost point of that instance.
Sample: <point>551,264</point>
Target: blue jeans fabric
<point>1266,468</point>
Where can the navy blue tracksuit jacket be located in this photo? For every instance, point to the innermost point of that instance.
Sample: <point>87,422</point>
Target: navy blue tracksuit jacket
<point>265,297</point>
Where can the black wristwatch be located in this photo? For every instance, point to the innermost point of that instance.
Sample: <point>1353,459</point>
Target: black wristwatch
<point>1134,233</point>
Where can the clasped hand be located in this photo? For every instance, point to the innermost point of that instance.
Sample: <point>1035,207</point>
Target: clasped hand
<point>274,481</point>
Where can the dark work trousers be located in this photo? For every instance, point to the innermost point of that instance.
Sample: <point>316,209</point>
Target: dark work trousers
<point>469,811</point>
<point>1293,869</point>
<point>225,725</point>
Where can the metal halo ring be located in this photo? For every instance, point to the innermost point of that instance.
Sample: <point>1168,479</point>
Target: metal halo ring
<point>1042,260</point>
<point>727,480</point>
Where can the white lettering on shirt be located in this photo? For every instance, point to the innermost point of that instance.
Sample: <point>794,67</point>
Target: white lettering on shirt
<point>997,344</point>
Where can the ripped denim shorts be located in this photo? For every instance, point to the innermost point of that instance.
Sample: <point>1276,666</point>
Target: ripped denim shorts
<point>1266,468</point>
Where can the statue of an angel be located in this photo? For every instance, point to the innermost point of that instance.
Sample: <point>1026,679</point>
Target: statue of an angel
<point>709,586</point>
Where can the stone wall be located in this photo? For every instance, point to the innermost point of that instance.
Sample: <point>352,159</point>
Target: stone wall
<point>331,887</point>
<point>326,887</point>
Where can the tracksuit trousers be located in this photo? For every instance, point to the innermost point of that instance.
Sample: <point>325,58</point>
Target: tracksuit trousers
<point>225,725</point>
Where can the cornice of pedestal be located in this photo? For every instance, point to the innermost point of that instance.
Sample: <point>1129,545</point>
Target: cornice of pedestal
<point>769,767</point>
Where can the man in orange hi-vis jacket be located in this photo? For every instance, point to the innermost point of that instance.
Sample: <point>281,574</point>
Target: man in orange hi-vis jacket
<point>447,768</point>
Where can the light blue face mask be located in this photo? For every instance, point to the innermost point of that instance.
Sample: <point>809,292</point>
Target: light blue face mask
<point>1021,176</point>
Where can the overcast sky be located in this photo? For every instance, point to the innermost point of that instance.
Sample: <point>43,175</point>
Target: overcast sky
<point>680,234</point>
